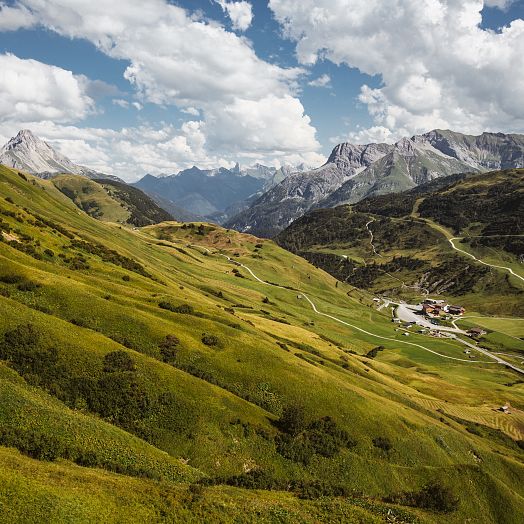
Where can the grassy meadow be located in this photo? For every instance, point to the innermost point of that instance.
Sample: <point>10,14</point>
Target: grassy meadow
<point>145,378</point>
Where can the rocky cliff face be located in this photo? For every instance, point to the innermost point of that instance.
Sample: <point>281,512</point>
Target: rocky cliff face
<point>354,172</point>
<point>299,192</point>
<point>29,153</point>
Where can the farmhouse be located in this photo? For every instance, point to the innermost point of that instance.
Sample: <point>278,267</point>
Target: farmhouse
<point>455,310</point>
<point>476,332</point>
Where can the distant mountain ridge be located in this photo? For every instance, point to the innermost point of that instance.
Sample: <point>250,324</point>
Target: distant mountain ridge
<point>215,194</point>
<point>354,172</point>
<point>29,153</point>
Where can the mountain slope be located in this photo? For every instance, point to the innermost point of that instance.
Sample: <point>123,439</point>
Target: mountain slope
<point>111,201</point>
<point>279,206</point>
<point>26,152</point>
<point>408,253</point>
<point>350,176</point>
<point>155,337</point>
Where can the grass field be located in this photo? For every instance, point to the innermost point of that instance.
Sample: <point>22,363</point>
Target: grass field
<point>213,358</point>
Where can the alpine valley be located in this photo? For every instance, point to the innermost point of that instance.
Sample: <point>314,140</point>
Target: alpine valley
<point>161,370</point>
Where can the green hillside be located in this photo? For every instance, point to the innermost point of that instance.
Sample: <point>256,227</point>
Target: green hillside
<point>111,201</point>
<point>146,377</point>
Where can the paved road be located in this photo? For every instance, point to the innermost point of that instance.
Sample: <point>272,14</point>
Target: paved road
<point>496,359</point>
<point>450,240</point>
<point>336,319</point>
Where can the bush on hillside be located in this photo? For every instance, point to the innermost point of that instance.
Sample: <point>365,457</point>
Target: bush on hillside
<point>301,440</point>
<point>184,309</point>
<point>210,340</point>
<point>11,279</point>
<point>28,285</point>
<point>383,443</point>
<point>293,420</point>
<point>169,349</point>
<point>433,496</point>
<point>118,361</point>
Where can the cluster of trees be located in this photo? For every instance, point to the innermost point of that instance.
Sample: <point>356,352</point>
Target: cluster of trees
<point>301,439</point>
<point>433,496</point>
<point>263,479</point>
<point>324,227</point>
<point>501,212</point>
<point>116,395</point>
<point>185,309</point>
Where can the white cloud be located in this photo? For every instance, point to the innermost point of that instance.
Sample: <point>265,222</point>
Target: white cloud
<point>13,18</point>
<point>322,81</point>
<point>31,90</point>
<point>439,68</point>
<point>120,102</point>
<point>258,125</point>
<point>191,111</point>
<point>240,13</point>
<point>178,59</point>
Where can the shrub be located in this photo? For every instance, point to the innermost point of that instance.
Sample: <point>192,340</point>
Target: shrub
<point>49,252</point>
<point>22,346</point>
<point>210,340</point>
<point>433,496</point>
<point>35,445</point>
<point>374,352</point>
<point>182,308</point>
<point>383,443</point>
<point>120,399</point>
<point>168,349</point>
<point>11,279</point>
<point>126,278</point>
<point>28,285</point>
<point>118,361</point>
<point>9,199</point>
<point>293,420</point>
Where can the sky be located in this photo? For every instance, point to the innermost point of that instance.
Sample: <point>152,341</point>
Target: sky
<point>130,87</point>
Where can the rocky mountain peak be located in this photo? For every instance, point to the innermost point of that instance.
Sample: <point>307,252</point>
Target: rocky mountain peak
<point>29,153</point>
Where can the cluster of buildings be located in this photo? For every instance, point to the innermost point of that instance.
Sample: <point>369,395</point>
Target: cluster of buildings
<point>435,308</point>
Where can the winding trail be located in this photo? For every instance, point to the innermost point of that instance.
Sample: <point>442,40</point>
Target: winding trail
<point>425,292</point>
<point>352,326</point>
<point>371,238</point>
<point>450,240</point>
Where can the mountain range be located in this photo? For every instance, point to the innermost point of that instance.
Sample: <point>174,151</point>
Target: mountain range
<point>214,194</point>
<point>354,172</point>
<point>191,194</point>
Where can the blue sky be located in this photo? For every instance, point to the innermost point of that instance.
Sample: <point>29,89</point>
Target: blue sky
<point>260,97</point>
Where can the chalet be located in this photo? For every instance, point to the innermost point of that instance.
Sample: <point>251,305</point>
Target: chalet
<point>476,332</point>
<point>505,408</point>
<point>432,302</point>
<point>455,310</point>
<point>429,309</point>
<point>467,351</point>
